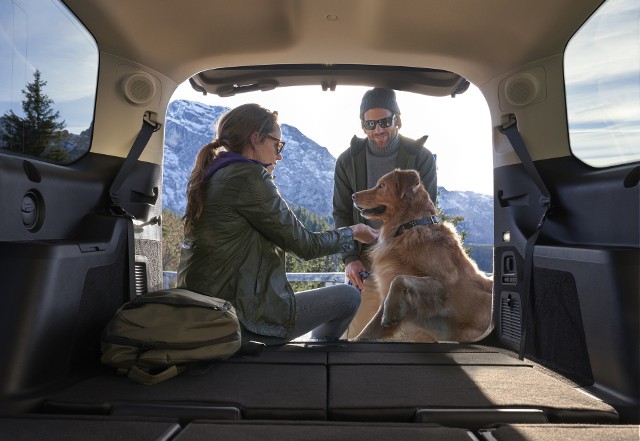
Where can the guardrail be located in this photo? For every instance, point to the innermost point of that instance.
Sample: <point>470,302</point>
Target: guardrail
<point>169,278</point>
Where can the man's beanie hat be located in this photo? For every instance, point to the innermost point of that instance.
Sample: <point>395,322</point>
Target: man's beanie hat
<point>379,98</point>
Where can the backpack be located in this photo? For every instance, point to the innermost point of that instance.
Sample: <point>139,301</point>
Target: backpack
<point>160,334</point>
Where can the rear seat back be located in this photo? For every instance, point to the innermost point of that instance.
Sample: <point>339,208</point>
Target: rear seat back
<point>81,428</point>
<point>456,387</point>
<point>320,431</point>
<point>573,432</point>
<point>285,384</point>
<point>464,386</point>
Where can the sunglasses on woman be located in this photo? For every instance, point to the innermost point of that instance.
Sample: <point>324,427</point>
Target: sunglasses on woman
<point>280,143</point>
<point>370,124</point>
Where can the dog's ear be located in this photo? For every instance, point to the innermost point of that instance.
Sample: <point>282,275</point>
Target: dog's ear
<point>408,182</point>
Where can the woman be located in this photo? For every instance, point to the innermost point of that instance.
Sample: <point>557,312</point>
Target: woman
<point>238,227</point>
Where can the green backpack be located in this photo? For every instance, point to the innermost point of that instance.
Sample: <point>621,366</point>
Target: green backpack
<point>159,334</point>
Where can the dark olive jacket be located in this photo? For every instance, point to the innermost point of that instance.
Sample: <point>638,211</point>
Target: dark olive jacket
<point>351,176</point>
<point>237,249</point>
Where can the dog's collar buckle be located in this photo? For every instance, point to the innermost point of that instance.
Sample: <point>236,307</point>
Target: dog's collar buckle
<point>433,219</point>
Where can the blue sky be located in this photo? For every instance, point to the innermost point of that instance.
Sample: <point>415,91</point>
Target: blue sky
<point>602,71</point>
<point>459,128</point>
<point>603,100</point>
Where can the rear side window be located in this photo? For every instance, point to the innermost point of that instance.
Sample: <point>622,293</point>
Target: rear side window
<point>602,74</point>
<point>48,78</point>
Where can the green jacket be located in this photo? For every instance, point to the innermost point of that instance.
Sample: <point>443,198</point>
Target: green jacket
<point>351,176</point>
<point>237,249</point>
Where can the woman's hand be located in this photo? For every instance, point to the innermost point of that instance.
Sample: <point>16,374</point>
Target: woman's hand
<point>352,272</point>
<point>364,233</point>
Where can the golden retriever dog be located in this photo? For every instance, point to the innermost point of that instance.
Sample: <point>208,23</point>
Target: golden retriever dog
<point>434,291</point>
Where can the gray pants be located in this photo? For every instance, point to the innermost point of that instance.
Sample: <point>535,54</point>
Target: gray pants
<point>325,312</point>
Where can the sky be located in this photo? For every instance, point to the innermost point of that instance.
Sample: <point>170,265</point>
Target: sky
<point>459,128</point>
<point>601,74</point>
<point>602,100</point>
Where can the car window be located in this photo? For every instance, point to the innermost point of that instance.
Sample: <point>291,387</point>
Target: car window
<point>602,74</point>
<point>48,79</point>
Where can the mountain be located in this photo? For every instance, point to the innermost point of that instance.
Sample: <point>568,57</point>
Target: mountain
<point>188,126</point>
<point>304,176</point>
<point>477,210</point>
<point>71,145</point>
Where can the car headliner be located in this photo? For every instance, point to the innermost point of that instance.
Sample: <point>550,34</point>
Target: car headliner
<point>478,40</point>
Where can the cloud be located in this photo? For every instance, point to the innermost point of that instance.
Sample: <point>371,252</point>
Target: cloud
<point>603,86</point>
<point>42,34</point>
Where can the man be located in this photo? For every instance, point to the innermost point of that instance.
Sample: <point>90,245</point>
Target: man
<point>359,168</point>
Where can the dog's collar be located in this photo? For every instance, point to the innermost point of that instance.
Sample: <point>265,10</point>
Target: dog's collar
<point>433,219</point>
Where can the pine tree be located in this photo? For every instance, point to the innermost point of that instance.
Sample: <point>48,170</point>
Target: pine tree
<point>39,127</point>
<point>326,264</point>
<point>455,221</point>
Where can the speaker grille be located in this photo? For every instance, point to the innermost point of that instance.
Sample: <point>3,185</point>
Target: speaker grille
<point>510,317</point>
<point>139,88</point>
<point>521,89</point>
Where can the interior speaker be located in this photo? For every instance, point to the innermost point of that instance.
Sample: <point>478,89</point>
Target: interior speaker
<point>510,318</point>
<point>522,89</point>
<point>139,88</point>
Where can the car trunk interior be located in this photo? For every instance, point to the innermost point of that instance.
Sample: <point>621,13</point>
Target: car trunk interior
<point>393,386</point>
<point>562,360</point>
<point>453,391</point>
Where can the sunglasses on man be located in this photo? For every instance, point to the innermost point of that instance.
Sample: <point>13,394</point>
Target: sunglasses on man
<point>370,124</point>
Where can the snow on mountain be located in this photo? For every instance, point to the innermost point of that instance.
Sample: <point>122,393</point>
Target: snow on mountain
<point>189,125</point>
<point>477,210</point>
<point>304,176</point>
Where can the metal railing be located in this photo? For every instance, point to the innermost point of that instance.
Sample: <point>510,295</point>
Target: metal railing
<point>169,278</point>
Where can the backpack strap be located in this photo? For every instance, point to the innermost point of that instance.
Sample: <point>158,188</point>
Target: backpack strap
<point>143,376</point>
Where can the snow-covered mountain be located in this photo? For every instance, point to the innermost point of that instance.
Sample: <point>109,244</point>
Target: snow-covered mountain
<point>477,210</point>
<point>188,126</point>
<point>304,176</point>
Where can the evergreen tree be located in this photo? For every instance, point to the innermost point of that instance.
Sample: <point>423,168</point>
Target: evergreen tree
<point>172,229</point>
<point>39,127</point>
<point>455,221</point>
<point>327,264</point>
<point>56,154</point>
<point>172,240</point>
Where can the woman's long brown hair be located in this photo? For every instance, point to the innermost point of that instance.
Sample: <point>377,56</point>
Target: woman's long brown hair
<point>233,134</point>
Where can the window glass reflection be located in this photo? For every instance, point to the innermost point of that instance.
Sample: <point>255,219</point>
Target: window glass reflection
<point>48,78</point>
<point>602,71</point>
